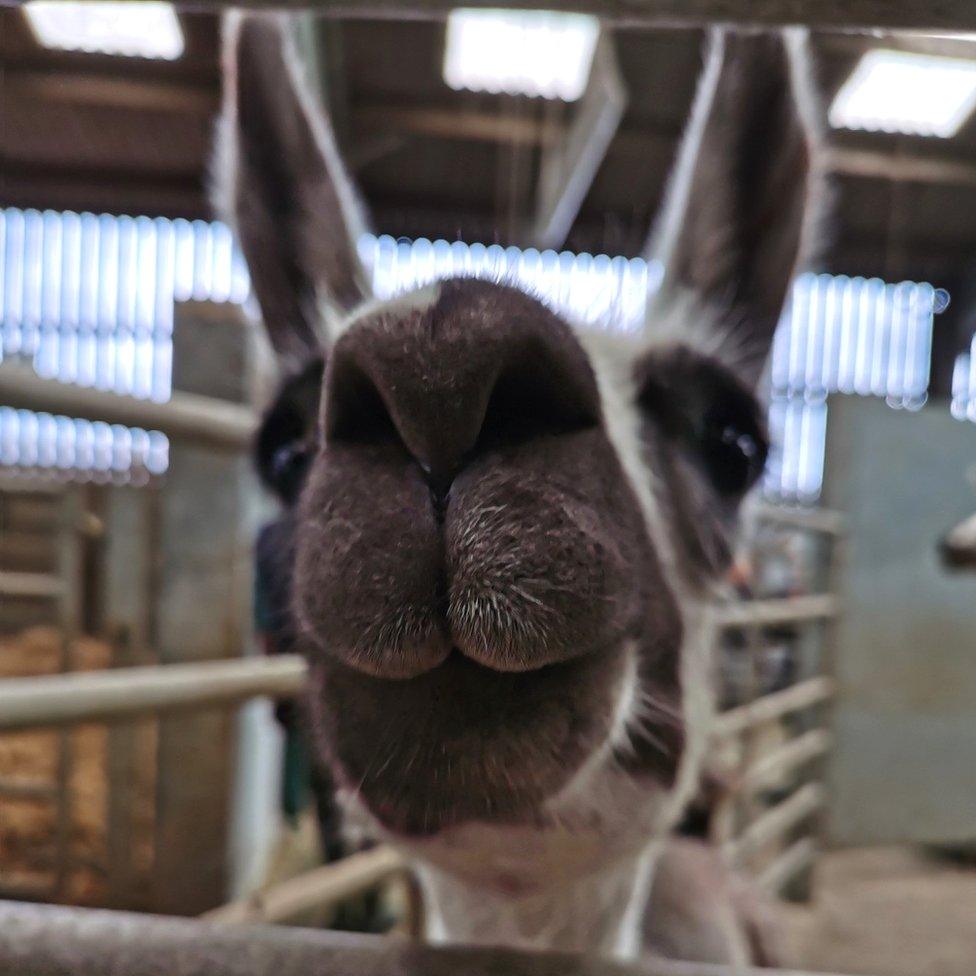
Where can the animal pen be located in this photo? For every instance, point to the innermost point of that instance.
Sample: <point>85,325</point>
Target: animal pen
<point>147,711</point>
<point>765,820</point>
<point>770,739</point>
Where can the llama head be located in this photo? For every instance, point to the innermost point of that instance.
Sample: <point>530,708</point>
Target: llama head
<point>507,519</point>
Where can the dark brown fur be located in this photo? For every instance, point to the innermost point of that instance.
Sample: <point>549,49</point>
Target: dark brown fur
<point>538,555</point>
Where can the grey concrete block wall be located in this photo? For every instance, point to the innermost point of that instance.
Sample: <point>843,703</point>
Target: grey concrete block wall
<point>209,507</point>
<point>904,767</point>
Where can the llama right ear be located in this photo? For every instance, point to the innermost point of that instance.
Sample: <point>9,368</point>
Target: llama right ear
<point>742,208</point>
<point>281,184</point>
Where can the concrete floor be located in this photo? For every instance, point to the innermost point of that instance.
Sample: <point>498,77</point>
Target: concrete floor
<point>886,912</point>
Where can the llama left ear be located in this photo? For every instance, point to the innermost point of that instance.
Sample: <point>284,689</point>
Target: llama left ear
<point>741,211</point>
<point>282,185</point>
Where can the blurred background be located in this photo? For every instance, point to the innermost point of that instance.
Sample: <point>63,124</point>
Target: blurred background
<point>536,146</point>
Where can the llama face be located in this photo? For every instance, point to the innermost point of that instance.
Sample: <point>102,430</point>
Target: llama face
<point>474,567</point>
<point>507,521</point>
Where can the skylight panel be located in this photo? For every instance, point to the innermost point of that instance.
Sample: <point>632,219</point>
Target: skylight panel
<point>915,94</point>
<point>520,52</point>
<point>134,30</point>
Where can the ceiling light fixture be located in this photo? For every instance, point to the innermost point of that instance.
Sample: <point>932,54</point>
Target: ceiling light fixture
<point>135,30</point>
<point>520,52</point>
<point>898,91</point>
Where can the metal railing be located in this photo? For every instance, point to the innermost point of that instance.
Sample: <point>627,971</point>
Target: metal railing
<point>786,830</point>
<point>205,420</point>
<point>95,696</point>
<point>53,941</point>
<point>64,699</point>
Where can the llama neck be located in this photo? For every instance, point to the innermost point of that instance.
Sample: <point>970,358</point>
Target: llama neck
<point>598,913</point>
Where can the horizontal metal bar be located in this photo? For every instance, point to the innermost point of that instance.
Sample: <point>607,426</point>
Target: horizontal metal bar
<point>29,484</point>
<point>765,613</point>
<point>323,887</point>
<point>21,788</point>
<point>793,754</point>
<point>46,940</point>
<point>775,822</point>
<point>33,585</point>
<point>92,696</point>
<point>811,519</point>
<point>917,15</point>
<point>27,890</point>
<point>186,416</point>
<point>798,857</point>
<point>769,708</point>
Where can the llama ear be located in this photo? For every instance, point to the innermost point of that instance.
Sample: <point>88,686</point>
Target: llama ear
<point>281,184</point>
<point>740,213</point>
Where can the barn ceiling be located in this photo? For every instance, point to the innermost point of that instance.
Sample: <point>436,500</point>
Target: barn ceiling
<point>80,131</point>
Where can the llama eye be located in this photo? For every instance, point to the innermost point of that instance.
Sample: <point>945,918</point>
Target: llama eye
<point>734,455</point>
<point>705,410</point>
<point>288,466</point>
<point>287,435</point>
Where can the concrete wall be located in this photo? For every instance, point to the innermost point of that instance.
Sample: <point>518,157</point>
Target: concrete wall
<point>905,763</point>
<point>218,769</point>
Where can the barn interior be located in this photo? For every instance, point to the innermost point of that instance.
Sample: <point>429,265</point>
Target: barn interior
<point>536,147</point>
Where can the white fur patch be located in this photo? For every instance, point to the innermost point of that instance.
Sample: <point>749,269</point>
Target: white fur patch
<point>417,300</point>
<point>629,944</point>
<point>590,914</point>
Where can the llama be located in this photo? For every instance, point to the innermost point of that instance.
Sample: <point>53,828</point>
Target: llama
<point>509,526</point>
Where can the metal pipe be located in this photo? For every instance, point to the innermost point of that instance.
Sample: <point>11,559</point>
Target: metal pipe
<point>915,15</point>
<point>32,585</point>
<point>65,699</point>
<point>785,759</point>
<point>796,859</point>
<point>781,610</point>
<point>776,822</point>
<point>322,887</point>
<point>186,416</point>
<point>769,708</point>
<point>44,940</point>
<point>823,520</point>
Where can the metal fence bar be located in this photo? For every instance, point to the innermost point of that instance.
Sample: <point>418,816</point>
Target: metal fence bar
<point>205,420</point>
<point>52,700</point>
<point>919,15</point>
<point>822,520</point>
<point>776,821</point>
<point>796,859</point>
<point>796,698</point>
<point>764,613</point>
<point>30,585</point>
<point>21,788</point>
<point>322,887</point>
<point>64,699</point>
<point>795,753</point>
<point>43,940</point>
